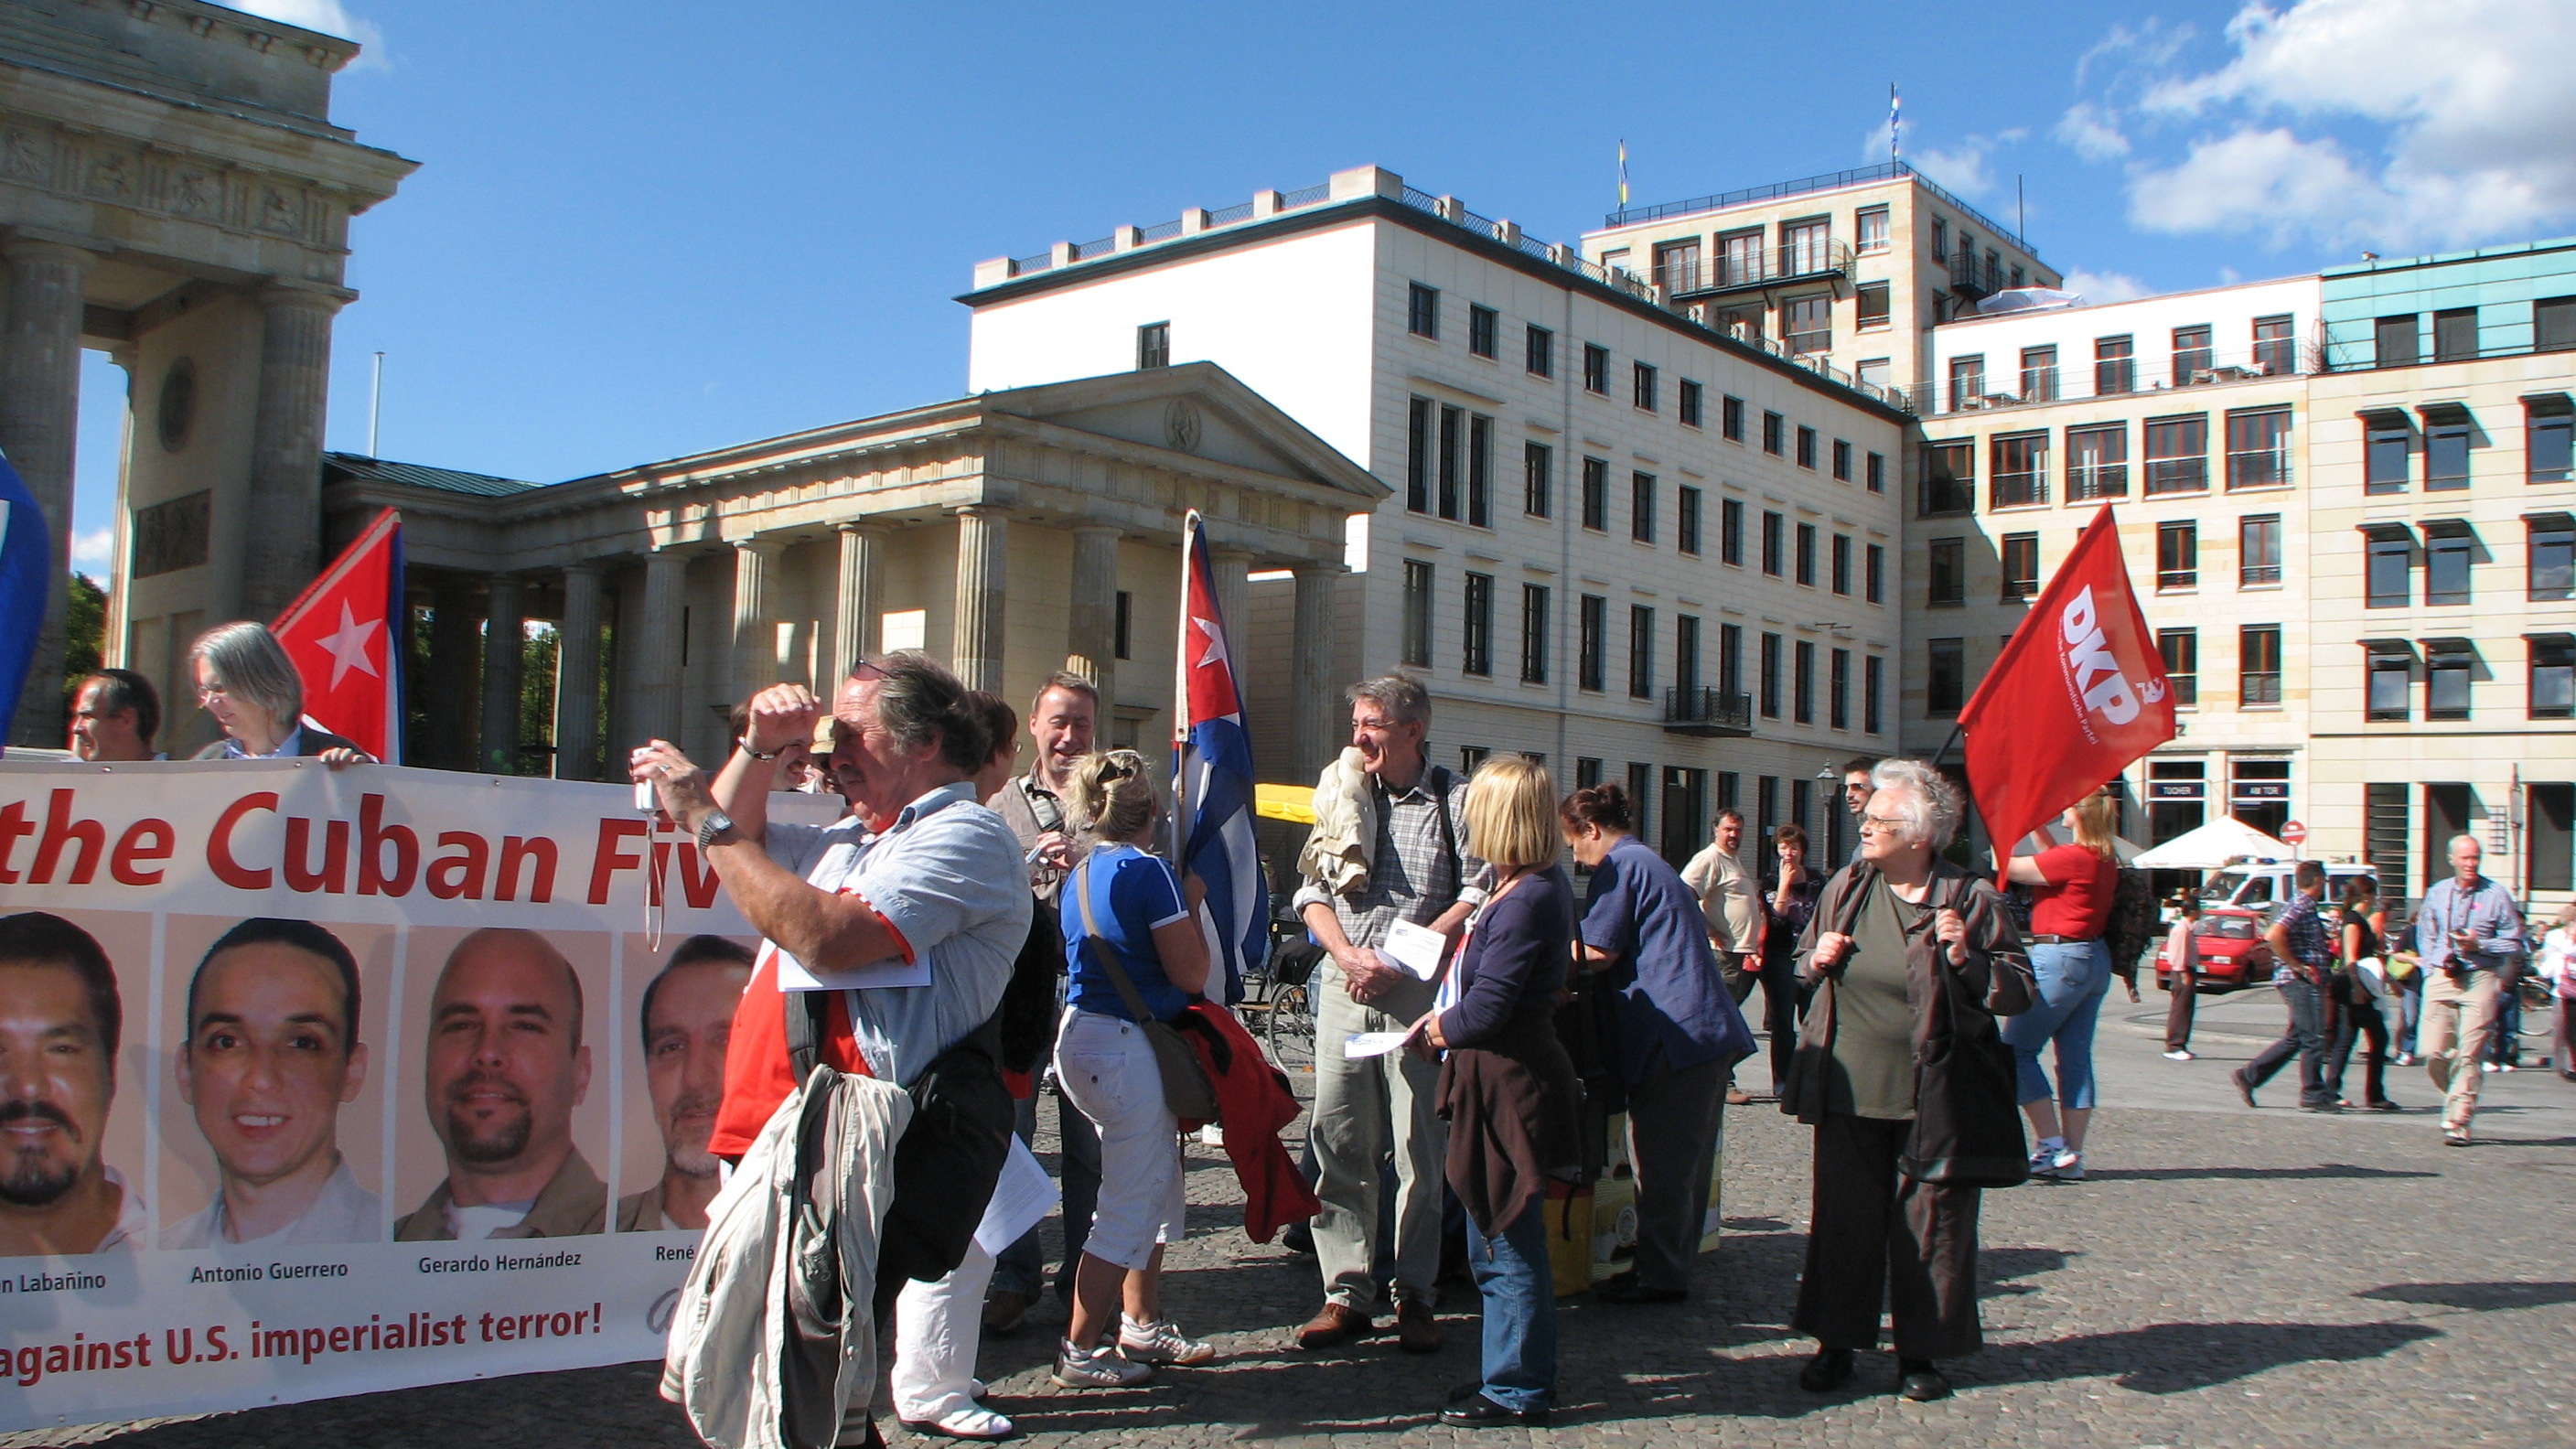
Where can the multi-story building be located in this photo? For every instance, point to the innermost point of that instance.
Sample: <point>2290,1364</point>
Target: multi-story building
<point>1851,268</point>
<point>1619,538</point>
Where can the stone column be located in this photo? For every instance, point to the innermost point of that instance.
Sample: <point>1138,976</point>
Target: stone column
<point>656,656</point>
<point>454,675</point>
<point>1315,723</point>
<point>284,541</point>
<point>577,675</point>
<point>1233,568</point>
<point>755,632</point>
<point>860,601</point>
<point>39,418</point>
<point>975,638</point>
<point>505,635</point>
<point>1093,633</point>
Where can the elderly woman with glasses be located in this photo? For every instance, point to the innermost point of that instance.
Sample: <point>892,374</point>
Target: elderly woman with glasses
<point>1904,1076</point>
<point>245,680</point>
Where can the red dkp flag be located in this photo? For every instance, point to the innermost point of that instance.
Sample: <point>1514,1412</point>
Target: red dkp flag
<point>2078,694</point>
<point>344,634</point>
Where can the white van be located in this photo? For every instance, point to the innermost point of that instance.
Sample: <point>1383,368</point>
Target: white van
<point>2260,885</point>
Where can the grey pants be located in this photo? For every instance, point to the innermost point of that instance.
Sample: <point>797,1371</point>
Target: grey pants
<point>1673,1122</point>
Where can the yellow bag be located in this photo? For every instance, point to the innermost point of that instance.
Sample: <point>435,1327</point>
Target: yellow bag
<point>1569,1237</point>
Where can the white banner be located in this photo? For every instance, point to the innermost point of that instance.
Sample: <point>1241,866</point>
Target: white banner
<point>315,1082</point>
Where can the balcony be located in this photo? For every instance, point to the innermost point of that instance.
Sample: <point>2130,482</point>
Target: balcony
<point>1796,261</point>
<point>1707,713</point>
<point>1971,278</point>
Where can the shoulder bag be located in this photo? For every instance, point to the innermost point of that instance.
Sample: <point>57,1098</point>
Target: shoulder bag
<point>1186,1090</point>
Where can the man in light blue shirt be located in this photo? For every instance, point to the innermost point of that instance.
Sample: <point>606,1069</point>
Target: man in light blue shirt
<point>2466,931</point>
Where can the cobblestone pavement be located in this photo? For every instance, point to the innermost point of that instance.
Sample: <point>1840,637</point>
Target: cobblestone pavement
<point>2223,1277</point>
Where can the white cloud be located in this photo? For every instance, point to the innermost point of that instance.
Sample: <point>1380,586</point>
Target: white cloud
<point>328,16</point>
<point>2094,131</point>
<point>97,548</point>
<point>1964,167</point>
<point>2264,181</point>
<point>2100,287</point>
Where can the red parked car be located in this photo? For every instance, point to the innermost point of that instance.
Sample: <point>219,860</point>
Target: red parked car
<point>2232,953</point>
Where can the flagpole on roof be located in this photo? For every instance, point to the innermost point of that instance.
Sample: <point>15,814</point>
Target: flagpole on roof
<point>1181,692</point>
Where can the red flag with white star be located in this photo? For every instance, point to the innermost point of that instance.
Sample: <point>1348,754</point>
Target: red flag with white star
<point>344,634</point>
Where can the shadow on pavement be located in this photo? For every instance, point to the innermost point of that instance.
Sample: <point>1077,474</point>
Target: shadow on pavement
<point>2246,1174</point>
<point>2178,1358</point>
<point>2475,1297</point>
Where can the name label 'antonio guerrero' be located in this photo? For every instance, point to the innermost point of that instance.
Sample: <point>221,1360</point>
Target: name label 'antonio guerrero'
<point>273,1273</point>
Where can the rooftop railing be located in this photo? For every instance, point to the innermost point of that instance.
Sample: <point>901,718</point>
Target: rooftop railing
<point>2002,385</point>
<point>1762,267</point>
<point>1807,185</point>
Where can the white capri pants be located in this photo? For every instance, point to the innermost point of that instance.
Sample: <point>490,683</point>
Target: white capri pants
<point>1107,1067</point>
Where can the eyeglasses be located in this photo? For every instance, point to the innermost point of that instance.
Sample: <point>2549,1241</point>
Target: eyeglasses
<point>209,693</point>
<point>1888,823</point>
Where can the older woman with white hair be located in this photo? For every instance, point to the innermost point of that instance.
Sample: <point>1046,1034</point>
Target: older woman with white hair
<point>246,681</point>
<point>1908,1084</point>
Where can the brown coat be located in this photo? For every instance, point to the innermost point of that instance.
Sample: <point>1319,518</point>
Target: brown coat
<point>573,1203</point>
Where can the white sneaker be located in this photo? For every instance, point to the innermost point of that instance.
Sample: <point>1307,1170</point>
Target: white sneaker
<point>1160,1341</point>
<point>1096,1368</point>
<point>2069,1166</point>
<point>2486,1066</point>
<point>2178,1056</point>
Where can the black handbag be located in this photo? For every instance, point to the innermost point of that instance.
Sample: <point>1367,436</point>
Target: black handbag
<point>1187,1093</point>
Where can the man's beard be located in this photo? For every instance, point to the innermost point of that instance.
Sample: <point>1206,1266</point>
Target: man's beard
<point>691,1159</point>
<point>497,1141</point>
<point>33,1178</point>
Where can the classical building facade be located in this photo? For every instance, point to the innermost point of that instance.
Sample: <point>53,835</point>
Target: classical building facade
<point>174,191</point>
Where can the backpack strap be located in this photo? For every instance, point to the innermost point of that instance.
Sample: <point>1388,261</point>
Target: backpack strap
<point>805,1029</point>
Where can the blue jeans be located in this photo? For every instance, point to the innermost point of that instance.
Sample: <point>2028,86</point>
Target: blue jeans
<point>2071,980</point>
<point>2304,1039</point>
<point>1520,1309</point>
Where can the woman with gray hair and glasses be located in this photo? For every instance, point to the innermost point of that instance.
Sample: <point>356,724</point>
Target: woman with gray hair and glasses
<point>1903,1074</point>
<point>245,680</point>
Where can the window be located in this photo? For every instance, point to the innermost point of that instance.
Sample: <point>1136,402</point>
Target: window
<point>2258,550</point>
<point>2258,448</point>
<point>2390,579</point>
<point>2394,339</point>
<point>2455,335</point>
<point>2177,556</point>
<point>1876,473</point>
<point>2552,565</point>
<point>1945,679</point>
<point>1730,419</point>
<point>1767,812</point>
<point>1596,494</point>
<point>1592,643</point>
<point>1870,225</point>
<point>1478,655</point>
<point>1596,368</point>
<point>2447,666</point>
<point>1872,686</point>
<point>1842,460</point>
<point>1838,690</point>
<point>1480,471</point>
<point>1807,323</point>
<point>1615,260</point>
<point>1538,351</point>
<point>2021,566</point>
<point>1126,625</point>
<point>1417,458</point>
<point>2386,446</point>
<point>1538,479</point>
<point>1686,653</point>
<point>1422,311</point>
<point>2386,834</point>
<point>2114,366</point>
<point>2275,351</point>
<point>1694,403</point>
<point>1807,554</point>
<point>1534,650</point>
<point>1686,518</point>
<point>1870,310</point>
<point>2392,674</point>
<point>1730,531</point>
<point>1775,434</point>
<point>2018,474</point>
<point>2097,463</point>
<point>2018,276</point>
<point>2553,683</point>
<point>1949,479</point>
<point>1641,507</point>
<point>1641,780</point>
<point>2549,442</point>
<point>2553,324</point>
<point>1480,330</point>
<point>2258,666</point>
<point>1677,265</point>
<point>2553,835</point>
<point>2177,454</point>
<point>1587,772</point>
<point>1153,345</point>
<point>1641,652</point>
<point>1770,676</point>
<point>2191,354</point>
<point>1803,676</point>
<point>2180,650</point>
<point>1842,561</point>
<point>1417,613</point>
<point>1775,542</point>
<point>1645,387</point>
<point>1874,575</point>
<point>1967,381</point>
<point>1450,421</point>
<point>1872,372</point>
<point>2446,453</point>
<point>1472,758</point>
<point>1730,660</point>
<point>1940,238</point>
<point>2446,567</point>
<point>2039,374</point>
<point>1807,448</point>
<point>1946,573</point>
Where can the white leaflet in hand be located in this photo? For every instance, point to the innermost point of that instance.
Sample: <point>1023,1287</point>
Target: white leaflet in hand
<point>1372,1043</point>
<point>1415,948</point>
<point>893,971</point>
<point>1022,1198</point>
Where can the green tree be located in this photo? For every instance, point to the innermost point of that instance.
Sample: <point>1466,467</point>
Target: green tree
<point>537,700</point>
<point>84,627</point>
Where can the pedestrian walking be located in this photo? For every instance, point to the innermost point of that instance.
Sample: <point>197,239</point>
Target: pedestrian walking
<point>2303,956</point>
<point>1676,1034</point>
<point>2072,887</point>
<point>2353,995</point>
<point>2556,963</point>
<point>1909,1087</point>
<point>1731,903</point>
<point>2182,975</point>
<point>1508,1089</point>
<point>2465,932</point>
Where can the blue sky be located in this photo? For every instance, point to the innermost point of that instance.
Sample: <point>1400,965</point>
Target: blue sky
<point>645,228</point>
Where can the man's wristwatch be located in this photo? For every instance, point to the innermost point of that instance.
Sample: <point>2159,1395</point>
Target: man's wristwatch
<point>716,823</point>
<point>745,744</point>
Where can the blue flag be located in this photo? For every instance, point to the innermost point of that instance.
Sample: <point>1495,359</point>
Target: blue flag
<point>1216,837</point>
<point>26,579</point>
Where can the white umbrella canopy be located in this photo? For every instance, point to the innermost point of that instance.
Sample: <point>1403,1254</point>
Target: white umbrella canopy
<point>2222,840</point>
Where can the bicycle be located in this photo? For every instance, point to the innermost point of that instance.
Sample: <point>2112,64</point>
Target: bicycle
<point>1281,991</point>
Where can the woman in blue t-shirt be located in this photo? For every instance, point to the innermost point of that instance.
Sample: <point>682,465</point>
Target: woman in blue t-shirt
<point>1107,1069</point>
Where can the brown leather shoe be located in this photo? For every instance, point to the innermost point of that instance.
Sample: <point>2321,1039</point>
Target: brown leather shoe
<point>1417,1329</point>
<point>1334,1325</point>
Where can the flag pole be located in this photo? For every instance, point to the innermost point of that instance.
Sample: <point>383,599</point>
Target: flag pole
<point>1181,692</point>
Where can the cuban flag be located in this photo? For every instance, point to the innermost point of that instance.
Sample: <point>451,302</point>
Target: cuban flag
<point>344,633</point>
<point>1214,804</point>
<point>26,569</point>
